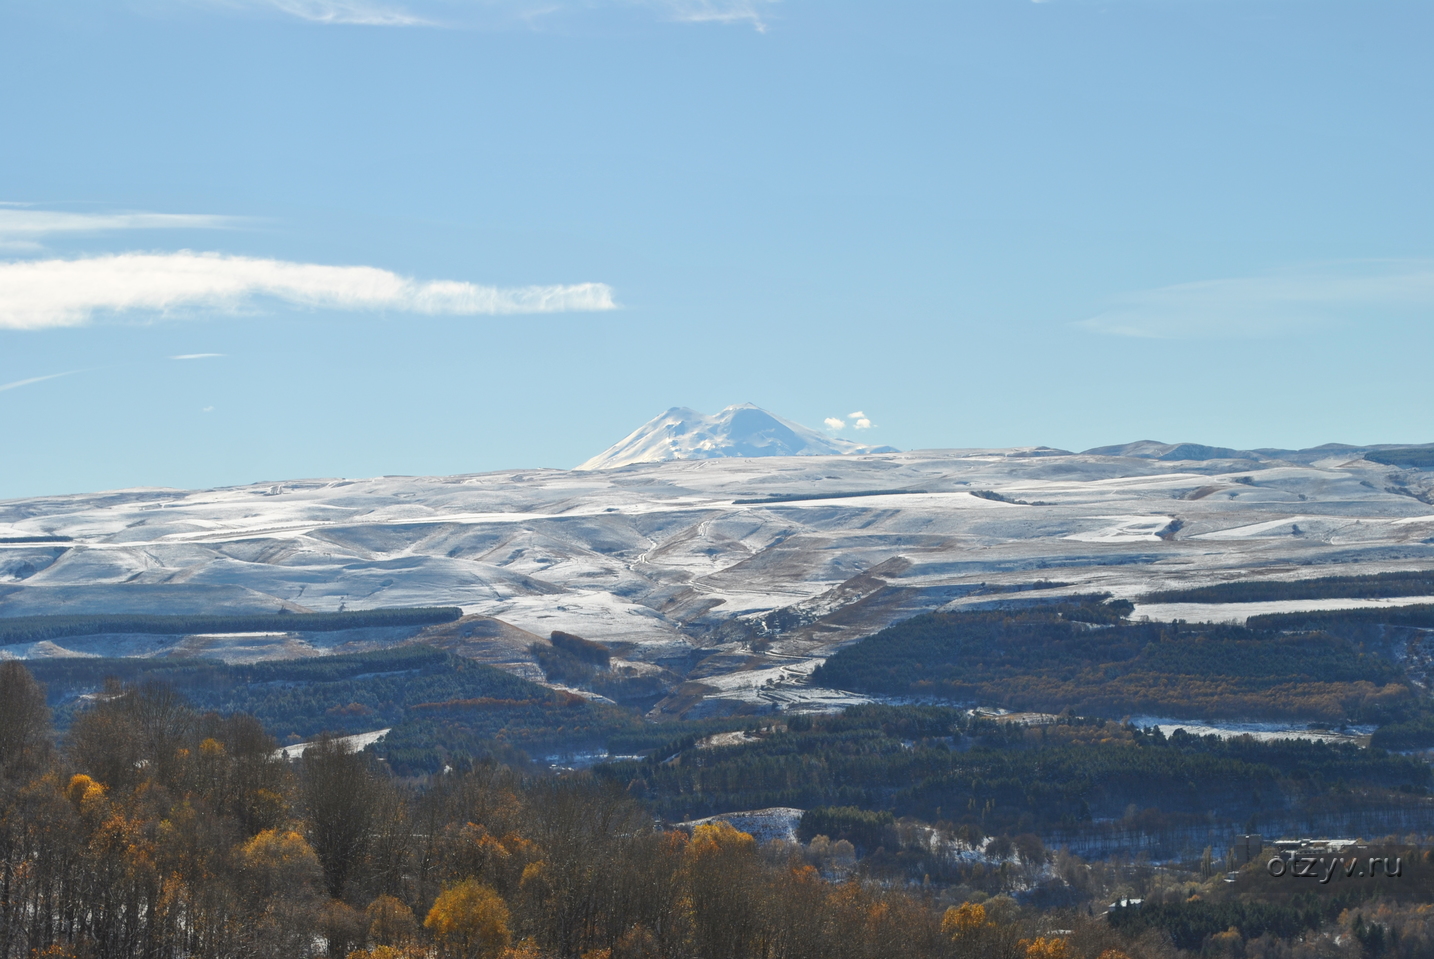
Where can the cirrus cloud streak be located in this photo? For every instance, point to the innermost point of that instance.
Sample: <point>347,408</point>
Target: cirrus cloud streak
<point>35,379</point>
<point>1273,303</point>
<point>18,221</point>
<point>38,294</point>
<point>352,12</point>
<point>471,13</point>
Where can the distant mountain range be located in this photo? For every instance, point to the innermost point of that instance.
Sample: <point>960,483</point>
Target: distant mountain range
<point>741,430</point>
<point>1414,457</point>
<point>747,430</point>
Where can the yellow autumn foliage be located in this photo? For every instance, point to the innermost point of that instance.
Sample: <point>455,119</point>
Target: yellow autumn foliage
<point>715,838</point>
<point>469,921</point>
<point>84,791</point>
<point>964,919</point>
<point>1043,948</point>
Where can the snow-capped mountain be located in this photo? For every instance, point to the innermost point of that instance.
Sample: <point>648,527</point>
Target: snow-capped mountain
<point>741,430</point>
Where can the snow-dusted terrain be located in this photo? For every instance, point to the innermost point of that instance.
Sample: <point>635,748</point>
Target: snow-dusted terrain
<point>354,743</point>
<point>732,601</point>
<point>1239,612</point>
<point>1265,732</point>
<point>764,825</point>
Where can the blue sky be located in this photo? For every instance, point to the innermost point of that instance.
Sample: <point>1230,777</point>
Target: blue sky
<point>447,236</point>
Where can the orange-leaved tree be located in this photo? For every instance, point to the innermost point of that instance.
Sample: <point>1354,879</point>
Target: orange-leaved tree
<point>1043,948</point>
<point>469,921</point>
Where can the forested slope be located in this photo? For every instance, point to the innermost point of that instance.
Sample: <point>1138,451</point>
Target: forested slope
<point>438,705</point>
<point>989,778</point>
<point>1054,657</point>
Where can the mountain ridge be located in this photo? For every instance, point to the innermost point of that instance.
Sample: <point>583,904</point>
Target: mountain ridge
<point>1394,454</point>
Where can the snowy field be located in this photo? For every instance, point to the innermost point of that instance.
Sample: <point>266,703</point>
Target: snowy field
<point>1239,612</point>
<point>355,743</point>
<point>1265,732</point>
<point>764,825</point>
<point>660,561</point>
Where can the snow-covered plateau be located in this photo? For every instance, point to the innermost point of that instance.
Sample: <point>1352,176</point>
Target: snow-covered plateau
<point>727,579</point>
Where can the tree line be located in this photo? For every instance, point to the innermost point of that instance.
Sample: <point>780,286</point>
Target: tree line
<point>34,629</point>
<point>1373,586</point>
<point>1348,622</point>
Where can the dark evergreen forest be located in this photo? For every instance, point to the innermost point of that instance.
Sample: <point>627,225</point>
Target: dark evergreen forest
<point>1375,586</point>
<point>1087,658</point>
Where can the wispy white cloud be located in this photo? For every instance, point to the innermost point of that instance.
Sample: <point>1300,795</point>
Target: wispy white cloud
<point>717,11</point>
<point>835,423</point>
<point>35,379</point>
<point>21,225</point>
<point>353,12</point>
<point>1271,304</point>
<point>195,356</point>
<point>37,294</point>
<point>460,13</point>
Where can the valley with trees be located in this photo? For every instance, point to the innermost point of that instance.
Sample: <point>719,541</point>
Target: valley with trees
<point>148,806</point>
<point>905,704</point>
<point>153,829</point>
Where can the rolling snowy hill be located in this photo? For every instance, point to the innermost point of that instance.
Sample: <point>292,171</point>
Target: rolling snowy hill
<point>728,579</point>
